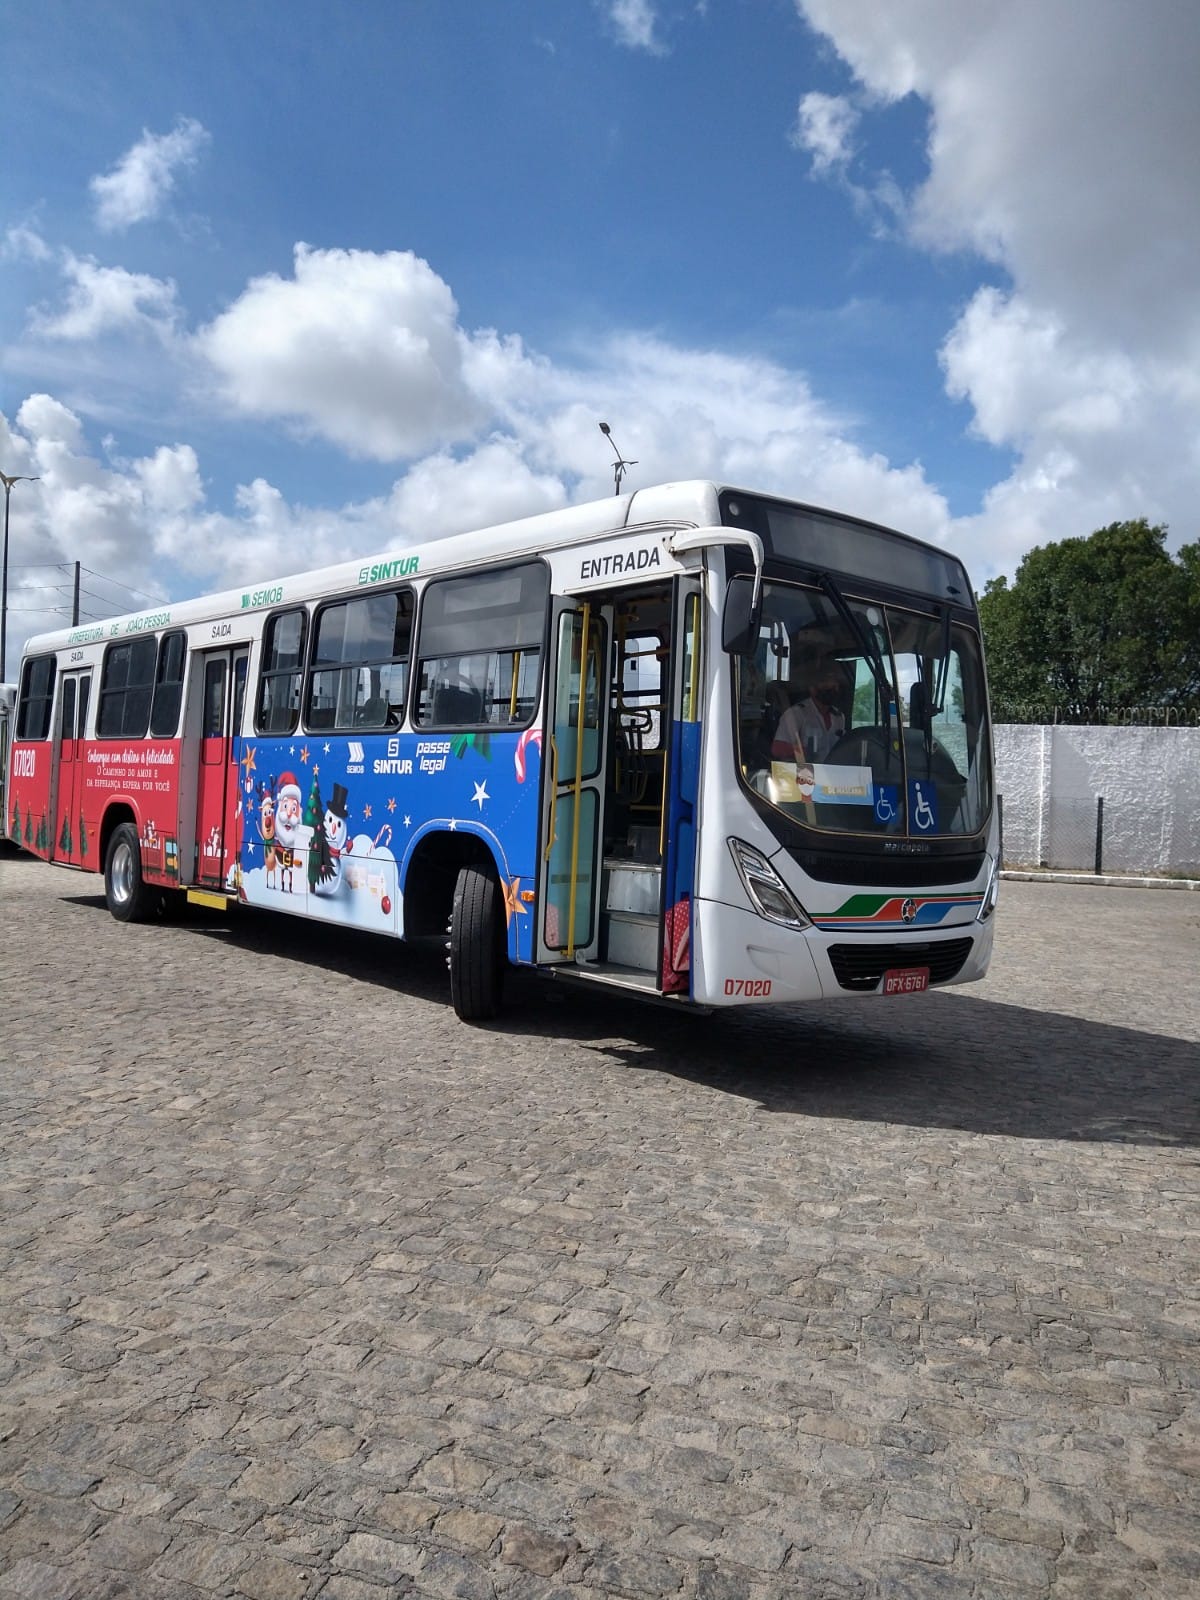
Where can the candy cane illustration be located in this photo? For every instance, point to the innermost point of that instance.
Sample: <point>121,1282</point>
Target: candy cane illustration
<point>530,736</point>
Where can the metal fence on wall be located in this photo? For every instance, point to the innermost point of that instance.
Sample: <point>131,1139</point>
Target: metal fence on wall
<point>1042,714</point>
<point>1101,799</point>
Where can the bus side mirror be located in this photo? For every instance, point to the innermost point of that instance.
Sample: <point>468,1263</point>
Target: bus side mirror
<point>739,626</point>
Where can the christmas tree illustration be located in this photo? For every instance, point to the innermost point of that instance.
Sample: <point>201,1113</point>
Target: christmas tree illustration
<point>83,838</point>
<point>42,838</point>
<point>15,830</point>
<point>64,838</point>
<point>28,832</point>
<point>320,862</point>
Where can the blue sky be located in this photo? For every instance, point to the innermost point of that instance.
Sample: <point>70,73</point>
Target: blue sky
<point>287,283</point>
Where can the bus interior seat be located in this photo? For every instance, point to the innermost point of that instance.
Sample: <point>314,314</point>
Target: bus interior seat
<point>454,703</point>
<point>372,713</point>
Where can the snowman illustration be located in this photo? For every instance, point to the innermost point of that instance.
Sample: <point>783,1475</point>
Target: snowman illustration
<point>338,839</point>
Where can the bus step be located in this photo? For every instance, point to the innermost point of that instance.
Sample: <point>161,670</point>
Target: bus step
<point>610,973</point>
<point>632,940</point>
<point>205,897</point>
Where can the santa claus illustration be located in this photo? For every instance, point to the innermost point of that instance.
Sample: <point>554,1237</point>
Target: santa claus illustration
<point>287,827</point>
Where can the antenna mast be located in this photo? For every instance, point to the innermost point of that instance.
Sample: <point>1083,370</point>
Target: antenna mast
<point>620,467</point>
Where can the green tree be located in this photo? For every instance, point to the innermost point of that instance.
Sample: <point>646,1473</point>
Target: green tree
<point>15,830</point>
<point>64,837</point>
<point>1092,624</point>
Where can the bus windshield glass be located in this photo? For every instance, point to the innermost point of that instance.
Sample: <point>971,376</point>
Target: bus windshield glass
<point>858,717</point>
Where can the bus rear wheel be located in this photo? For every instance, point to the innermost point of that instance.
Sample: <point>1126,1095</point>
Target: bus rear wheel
<point>128,898</point>
<point>477,955</point>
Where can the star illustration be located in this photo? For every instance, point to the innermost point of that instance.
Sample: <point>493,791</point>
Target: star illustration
<point>408,822</point>
<point>453,824</point>
<point>326,749</point>
<point>248,759</point>
<point>392,804</point>
<point>304,754</point>
<point>480,795</point>
<point>366,813</point>
<point>512,900</point>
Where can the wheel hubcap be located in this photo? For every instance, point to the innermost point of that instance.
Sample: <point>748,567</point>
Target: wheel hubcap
<point>122,873</point>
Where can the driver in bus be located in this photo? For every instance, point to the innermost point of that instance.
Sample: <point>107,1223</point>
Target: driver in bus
<point>808,731</point>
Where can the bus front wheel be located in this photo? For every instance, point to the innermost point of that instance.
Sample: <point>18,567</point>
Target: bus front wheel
<point>477,956</point>
<point>128,898</point>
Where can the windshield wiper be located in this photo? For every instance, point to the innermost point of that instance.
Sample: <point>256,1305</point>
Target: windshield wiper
<point>943,670</point>
<point>870,645</point>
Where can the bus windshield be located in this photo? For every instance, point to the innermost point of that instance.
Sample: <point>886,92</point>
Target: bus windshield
<point>858,717</point>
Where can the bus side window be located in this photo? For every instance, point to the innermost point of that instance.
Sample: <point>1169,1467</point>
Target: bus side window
<point>168,685</point>
<point>479,648</point>
<point>37,698</point>
<point>281,671</point>
<point>126,689</point>
<point>358,676</point>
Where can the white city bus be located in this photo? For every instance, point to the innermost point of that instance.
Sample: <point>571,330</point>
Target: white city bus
<point>689,742</point>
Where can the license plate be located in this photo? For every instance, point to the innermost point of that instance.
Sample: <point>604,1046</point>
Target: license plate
<point>905,980</point>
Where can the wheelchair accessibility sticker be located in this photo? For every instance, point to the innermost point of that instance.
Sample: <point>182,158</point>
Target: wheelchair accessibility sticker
<point>887,803</point>
<point>922,806</point>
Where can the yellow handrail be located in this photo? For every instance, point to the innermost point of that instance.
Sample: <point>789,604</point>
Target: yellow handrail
<point>692,712</point>
<point>584,651</point>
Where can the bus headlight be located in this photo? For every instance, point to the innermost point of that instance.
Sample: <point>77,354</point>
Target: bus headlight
<point>767,892</point>
<point>991,893</point>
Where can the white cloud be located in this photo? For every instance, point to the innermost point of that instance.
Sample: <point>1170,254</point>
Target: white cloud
<point>102,300</point>
<point>139,184</point>
<point>495,483</point>
<point>825,125</point>
<point>360,348</point>
<point>635,23</point>
<point>1027,375</point>
<point>24,243</point>
<point>1062,150</point>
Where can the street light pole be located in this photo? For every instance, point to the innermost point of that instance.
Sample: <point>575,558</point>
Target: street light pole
<point>8,489</point>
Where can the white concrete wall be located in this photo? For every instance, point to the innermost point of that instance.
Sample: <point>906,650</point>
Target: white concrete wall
<point>1149,779</point>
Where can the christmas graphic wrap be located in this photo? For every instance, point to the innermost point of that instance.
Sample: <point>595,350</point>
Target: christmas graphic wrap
<point>331,824</point>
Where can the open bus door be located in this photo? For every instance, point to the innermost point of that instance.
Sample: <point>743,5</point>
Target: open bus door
<point>69,843</point>
<point>621,772</point>
<point>223,691</point>
<point>574,769</point>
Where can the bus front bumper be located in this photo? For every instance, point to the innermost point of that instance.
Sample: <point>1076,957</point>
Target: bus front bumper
<point>740,958</point>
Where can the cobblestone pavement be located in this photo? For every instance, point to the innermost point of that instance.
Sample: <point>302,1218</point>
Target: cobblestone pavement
<point>308,1289</point>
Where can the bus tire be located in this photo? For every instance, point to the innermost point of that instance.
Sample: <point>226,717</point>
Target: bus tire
<point>477,955</point>
<point>128,898</point>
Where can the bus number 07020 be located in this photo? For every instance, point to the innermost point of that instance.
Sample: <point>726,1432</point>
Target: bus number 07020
<point>749,988</point>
